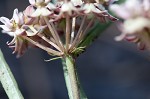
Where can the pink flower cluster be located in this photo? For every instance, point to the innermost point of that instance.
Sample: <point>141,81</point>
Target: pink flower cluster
<point>136,25</point>
<point>57,28</point>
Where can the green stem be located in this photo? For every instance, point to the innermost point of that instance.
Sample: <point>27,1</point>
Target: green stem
<point>74,88</point>
<point>8,81</point>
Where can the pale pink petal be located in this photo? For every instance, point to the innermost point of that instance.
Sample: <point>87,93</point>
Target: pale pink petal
<point>36,13</point>
<point>30,33</point>
<point>4,27</point>
<point>120,11</point>
<point>32,2</point>
<point>45,12</point>
<point>12,42</point>
<point>9,33</point>
<point>88,8</point>
<point>131,38</point>
<point>30,30</point>
<point>77,2</point>
<point>29,10</point>
<point>21,18</point>
<point>47,1</point>
<point>131,26</point>
<point>16,16</point>
<point>6,21</point>
<point>146,5</point>
<point>39,1</point>
<point>120,37</point>
<point>68,7</point>
<point>19,31</point>
<point>51,6</point>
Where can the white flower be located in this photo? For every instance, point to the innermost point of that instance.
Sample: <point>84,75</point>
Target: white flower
<point>129,9</point>
<point>136,25</point>
<point>97,10</point>
<point>13,27</point>
<point>43,7</point>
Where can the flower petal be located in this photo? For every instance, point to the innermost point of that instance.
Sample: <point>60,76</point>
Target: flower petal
<point>16,16</point>
<point>45,12</point>
<point>146,5</point>
<point>4,27</point>
<point>51,6</point>
<point>47,1</point>
<point>29,10</point>
<point>120,11</point>
<point>32,2</point>
<point>21,18</point>
<point>133,25</point>
<point>39,1</point>
<point>36,13</point>
<point>6,21</point>
<point>19,31</point>
<point>9,33</point>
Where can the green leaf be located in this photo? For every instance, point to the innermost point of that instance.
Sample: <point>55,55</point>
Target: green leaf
<point>93,34</point>
<point>8,81</point>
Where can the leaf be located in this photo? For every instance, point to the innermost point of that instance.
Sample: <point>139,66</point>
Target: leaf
<point>93,34</point>
<point>8,81</point>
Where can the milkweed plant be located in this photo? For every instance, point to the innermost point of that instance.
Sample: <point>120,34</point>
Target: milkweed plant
<point>65,28</point>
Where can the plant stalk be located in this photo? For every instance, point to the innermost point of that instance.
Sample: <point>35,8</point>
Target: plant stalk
<point>74,88</point>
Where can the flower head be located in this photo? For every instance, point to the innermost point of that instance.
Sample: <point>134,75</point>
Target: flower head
<point>136,25</point>
<point>56,28</point>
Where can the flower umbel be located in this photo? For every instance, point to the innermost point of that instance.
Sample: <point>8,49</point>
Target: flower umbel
<point>56,28</point>
<point>136,25</point>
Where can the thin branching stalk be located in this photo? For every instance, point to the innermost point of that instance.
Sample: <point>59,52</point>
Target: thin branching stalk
<point>73,29</point>
<point>67,31</point>
<point>49,50</point>
<point>8,81</point>
<point>48,41</point>
<point>84,32</point>
<point>57,35</point>
<point>79,33</point>
<point>54,34</point>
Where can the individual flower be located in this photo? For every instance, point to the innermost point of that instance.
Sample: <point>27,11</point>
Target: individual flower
<point>43,8</point>
<point>77,3</point>
<point>13,27</point>
<point>65,9</point>
<point>136,25</point>
<point>33,25</point>
<point>128,9</point>
<point>97,10</point>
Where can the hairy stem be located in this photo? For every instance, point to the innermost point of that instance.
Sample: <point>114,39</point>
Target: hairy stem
<point>70,77</point>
